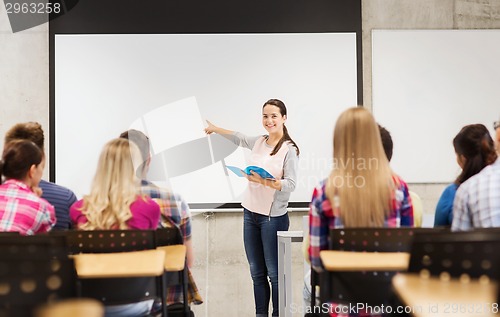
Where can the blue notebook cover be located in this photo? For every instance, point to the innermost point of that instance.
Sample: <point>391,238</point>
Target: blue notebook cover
<point>259,170</point>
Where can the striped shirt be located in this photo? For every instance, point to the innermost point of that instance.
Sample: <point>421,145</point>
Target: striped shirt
<point>62,199</point>
<point>23,211</point>
<point>477,201</point>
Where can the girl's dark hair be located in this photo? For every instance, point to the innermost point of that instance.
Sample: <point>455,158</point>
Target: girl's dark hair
<point>476,145</point>
<point>18,157</point>
<point>286,137</point>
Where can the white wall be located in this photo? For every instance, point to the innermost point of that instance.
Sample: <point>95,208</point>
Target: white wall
<point>24,76</point>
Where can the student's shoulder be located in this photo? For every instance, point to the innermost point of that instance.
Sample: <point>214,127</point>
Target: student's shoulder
<point>319,191</point>
<point>157,192</point>
<point>76,206</point>
<point>399,182</point>
<point>451,189</point>
<point>39,203</point>
<point>52,188</point>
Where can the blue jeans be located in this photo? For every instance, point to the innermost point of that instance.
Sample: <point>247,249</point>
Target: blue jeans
<point>261,248</point>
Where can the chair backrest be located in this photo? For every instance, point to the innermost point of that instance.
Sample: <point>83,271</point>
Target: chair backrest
<point>122,290</point>
<point>18,246</point>
<point>33,270</point>
<point>374,239</point>
<point>364,287</point>
<point>168,236</point>
<point>106,241</point>
<point>470,254</point>
<point>173,236</point>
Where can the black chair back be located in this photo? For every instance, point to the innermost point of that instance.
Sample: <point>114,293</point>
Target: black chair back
<point>371,287</point>
<point>172,236</point>
<point>168,236</point>
<point>34,270</point>
<point>108,241</point>
<point>115,291</point>
<point>470,254</point>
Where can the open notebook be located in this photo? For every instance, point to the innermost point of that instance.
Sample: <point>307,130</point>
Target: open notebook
<point>259,170</point>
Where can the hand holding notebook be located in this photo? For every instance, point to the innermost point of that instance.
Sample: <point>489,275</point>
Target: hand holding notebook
<point>258,170</point>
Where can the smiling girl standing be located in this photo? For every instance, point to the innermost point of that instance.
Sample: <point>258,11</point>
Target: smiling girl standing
<point>265,201</point>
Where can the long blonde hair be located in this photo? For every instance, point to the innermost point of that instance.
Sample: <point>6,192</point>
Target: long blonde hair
<point>114,187</point>
<point>361,182</point>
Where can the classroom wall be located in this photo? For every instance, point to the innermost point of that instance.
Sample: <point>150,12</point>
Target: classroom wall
<point>24,76</point>
<point>220,267</point>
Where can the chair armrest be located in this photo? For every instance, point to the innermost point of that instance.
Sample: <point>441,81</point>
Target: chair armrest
<point>120,264</point>
<point>364,261</point>
<point>175,257</point>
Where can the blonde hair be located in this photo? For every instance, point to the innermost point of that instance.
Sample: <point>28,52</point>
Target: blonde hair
<point>114,187</point>
<point>361,182</point>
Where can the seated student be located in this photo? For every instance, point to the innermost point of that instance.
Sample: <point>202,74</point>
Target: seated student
<point>174,213</point>
<point>21,208</point>
<point>58,196</point>
<point>365,193</point>
<point>475,149</point>
<point>415,199</point>
<point>477,200</point>
<point>114,203</point>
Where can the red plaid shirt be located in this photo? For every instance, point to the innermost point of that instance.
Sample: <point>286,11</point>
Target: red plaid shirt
<point>23,211</point>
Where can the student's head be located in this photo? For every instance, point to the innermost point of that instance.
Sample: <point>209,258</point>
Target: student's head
<point>142,142</point>
<point>22,160</point>
<point>117,163</point>
<point>26,131</point>
<point>274,116</point>
<point>386,141</point>
<point>114,187</point>
<point>361,179</point>
<point>475,149</point>
<point>357,135</point>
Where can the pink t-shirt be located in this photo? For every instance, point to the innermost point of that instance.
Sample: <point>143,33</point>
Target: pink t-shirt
<point>145,214</point>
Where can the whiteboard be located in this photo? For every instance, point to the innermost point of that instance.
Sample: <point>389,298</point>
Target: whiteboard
<point>167,85</point>
<point>428,84</point>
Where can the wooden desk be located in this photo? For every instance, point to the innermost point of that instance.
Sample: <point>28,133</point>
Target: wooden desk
<point>175,257</point>
<point>432,297</point>
<point>364,261</point>
<point>120,264</point>
<point>80,307</point>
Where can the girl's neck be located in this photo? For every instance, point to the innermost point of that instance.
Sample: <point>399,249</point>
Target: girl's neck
<point>274,138</point>
<point>26,181</point>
